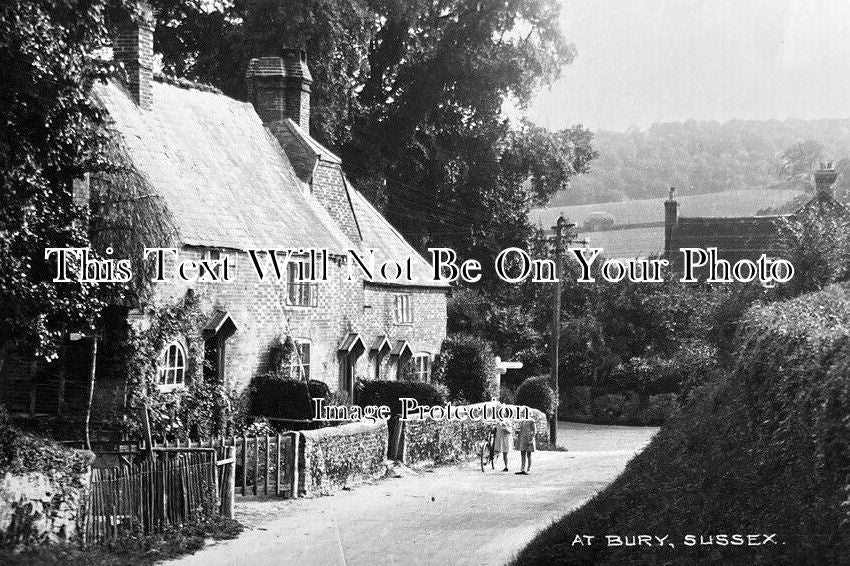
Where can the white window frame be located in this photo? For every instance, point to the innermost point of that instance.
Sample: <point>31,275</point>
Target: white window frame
<point>172,366</point>
<point>296,359</point>
<point>418,370</point>
<point>208,256</point>
<point>299,293</point>
<point>403,308</point>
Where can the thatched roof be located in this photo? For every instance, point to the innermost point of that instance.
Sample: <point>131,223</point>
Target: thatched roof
<point>223,177</point>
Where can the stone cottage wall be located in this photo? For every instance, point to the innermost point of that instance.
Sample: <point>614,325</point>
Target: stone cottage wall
<point>43,494</point>
<point>444,442</point>
<point>335,457</point>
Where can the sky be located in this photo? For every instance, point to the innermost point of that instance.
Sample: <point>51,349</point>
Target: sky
<point>646,61</point>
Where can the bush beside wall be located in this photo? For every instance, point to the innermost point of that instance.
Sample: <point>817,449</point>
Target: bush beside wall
<point>43,489</point>
<point>279,398</point>
<point>466,366</point>
<point>335,457</point>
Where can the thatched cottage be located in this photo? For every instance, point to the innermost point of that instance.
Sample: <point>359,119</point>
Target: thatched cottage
<point>212,177</point>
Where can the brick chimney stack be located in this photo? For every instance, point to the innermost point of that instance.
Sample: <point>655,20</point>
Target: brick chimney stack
<point>134,49</point>
<point>279,87</point>
<point>824,179</point>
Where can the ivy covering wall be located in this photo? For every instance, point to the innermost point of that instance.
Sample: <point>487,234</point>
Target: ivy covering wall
<point>199,410</point>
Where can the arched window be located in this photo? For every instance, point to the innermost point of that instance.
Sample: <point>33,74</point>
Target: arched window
<point>172,366</point>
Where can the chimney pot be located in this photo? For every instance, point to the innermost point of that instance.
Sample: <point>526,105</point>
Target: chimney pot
<point>825,178</point>
<point>279,87</point>
<point>671,221</point>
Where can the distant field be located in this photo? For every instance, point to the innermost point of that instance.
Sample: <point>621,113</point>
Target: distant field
<point>732,203</point>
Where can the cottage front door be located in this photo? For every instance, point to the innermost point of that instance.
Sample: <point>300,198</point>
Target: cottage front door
<point>346,372</point>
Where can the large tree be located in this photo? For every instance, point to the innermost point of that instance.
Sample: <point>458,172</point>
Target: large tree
<point>410,93</point>
<point>50,134</point>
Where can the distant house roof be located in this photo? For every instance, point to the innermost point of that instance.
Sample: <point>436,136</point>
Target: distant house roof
<point>734,238</point>
<point>742,237</point>
<point>223,177</point>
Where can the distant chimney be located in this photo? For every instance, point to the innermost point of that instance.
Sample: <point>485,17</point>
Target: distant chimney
<point>671,220</point>
<point>825,178</point>
<point>134,48</point>
<point>279,87</point>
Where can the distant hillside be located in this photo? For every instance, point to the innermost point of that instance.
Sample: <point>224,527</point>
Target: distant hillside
<point>698,157</point>
<point>732,203</point>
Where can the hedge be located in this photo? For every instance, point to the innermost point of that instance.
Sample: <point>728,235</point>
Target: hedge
<point>384,392</point>
<point>764,446</point>
<point>280,398</point>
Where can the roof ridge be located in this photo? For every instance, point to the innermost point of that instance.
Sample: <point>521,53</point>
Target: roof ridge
<point>311,144</point>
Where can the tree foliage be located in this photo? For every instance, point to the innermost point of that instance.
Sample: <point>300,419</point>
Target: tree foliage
<point>816,241</point>
<point>709,157</point>
<point>51,133</point>
<point>410,94</point>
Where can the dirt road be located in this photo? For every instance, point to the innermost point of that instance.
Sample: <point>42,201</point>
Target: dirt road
<point>450,515</point>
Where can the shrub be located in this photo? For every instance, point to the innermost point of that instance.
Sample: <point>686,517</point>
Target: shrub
<point>466,367</point>
<point>650,375</point>
<point>535,392</point>
<point>318,389</point>
<point>280,398</point>
<point>506,396</point>
<point>383,392</point>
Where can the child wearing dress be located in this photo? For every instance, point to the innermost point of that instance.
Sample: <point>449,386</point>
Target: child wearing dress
<point>504,440</point>
<point>527,445</point>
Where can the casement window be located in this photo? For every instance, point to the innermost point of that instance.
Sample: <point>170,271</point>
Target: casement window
<point>213,255</point>
<point>420,367</point>
<point>299,293</point>
<point>172,367</point>
<point>299,362</point>
<point>403,309</point>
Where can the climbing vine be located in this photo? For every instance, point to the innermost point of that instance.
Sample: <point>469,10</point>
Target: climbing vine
<point>199,410</point>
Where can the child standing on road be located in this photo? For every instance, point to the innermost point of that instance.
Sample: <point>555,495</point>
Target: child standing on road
<point>527,445</point>
<point>504,440</point>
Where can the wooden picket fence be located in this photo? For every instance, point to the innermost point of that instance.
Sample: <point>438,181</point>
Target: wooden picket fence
<point>173,483</point>
<point>265,464</point>
<point>164,488</point>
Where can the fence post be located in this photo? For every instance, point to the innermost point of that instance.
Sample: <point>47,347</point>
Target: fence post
<point>294,474</point>
<point>229,483</point>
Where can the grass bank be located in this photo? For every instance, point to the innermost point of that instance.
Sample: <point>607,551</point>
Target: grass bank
<point>762,448</point>
<point>128,551</point>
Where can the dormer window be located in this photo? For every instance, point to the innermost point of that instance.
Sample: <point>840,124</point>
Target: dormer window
<point>172,367</point>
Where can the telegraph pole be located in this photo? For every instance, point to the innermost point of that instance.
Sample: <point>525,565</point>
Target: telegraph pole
<point>556,325</point>
<point>560,227</point>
